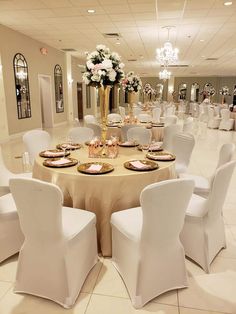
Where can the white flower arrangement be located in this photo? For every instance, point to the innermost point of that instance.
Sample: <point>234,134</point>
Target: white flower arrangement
<point>208,90</point>
<point>148,90</point>
<point>103,68</point>
<point>225,91</point>
<point>131,82</point>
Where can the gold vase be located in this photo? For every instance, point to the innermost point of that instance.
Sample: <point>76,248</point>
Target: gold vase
<point>104,93</point>
<point>223,100</point>
<point>131,96</point>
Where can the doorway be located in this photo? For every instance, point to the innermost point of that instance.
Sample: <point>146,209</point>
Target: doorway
<point>80,100</point>
<point>45,93</point>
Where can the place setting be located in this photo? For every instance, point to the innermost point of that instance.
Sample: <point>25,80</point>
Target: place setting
<point>141,165</point>
<point>95,168</point>
<point>53,153</point>
<point>160,156</point>
<point>60,162</point>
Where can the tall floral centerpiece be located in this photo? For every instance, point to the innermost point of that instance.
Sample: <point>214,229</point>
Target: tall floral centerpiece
<point>148,91</point>
<point>131,84</point>
<point>224,92</point>
<point>103,71</point>
<point>208,91</point>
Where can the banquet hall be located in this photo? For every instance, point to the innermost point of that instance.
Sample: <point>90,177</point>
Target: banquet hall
<point>117,156</point>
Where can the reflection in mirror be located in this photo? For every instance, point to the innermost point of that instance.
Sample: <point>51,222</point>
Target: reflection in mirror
<point>58,88</point>
<point>194,96</point>
<point>159,90</point>
<point>22,86</point>
<point>182,91</point>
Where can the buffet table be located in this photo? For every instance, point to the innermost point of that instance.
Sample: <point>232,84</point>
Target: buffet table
<point>106,193</point>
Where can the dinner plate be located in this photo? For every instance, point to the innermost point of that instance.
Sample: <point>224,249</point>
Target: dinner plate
<point>152,148</point>
<point>161,156</point>
<point>60,162</point>
<point>141,165</point>
<point>71,146</point>
<point>53,153</point>
<point>95,168</point>
<point>127,144</point>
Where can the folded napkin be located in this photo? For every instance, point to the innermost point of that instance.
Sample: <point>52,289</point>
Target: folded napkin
<point>164,157</point>
<point>95,168</point>
<point>155,146</point>
<point>139,165</point>
<point>61,161</point>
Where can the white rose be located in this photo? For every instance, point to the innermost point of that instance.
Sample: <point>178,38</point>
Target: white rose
<point>101,72</point>
<point>95,77</point>
<point>93,54</point>
<point>112,75</point>
<point>90,64</point>
<point>106,64</point>
<point>121,65</point>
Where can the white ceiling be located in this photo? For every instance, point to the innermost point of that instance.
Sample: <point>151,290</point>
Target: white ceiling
<point>66,24</point>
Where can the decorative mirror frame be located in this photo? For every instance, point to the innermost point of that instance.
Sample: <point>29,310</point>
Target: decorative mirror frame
<point>58,83</point>
<point>196,95</point>
<point>22,86</point>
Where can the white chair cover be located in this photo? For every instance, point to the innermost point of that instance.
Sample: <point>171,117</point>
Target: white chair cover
<point>213,121</point>
<point>122,112</point>
<point>140,135</point>
<point>81,134</point>
<point>188,125</point>
<point>96,129</point>
<point>60,246</point>
<point>124,129</point>
<point>89,118</point>
<point>203,234</point>
<point>202,184</point>
<point>136,111</point>
<point>144,117</point>
<point>183,145</point>
<point>226,123</point>
<point>145,241</point>
<point>168,120</point>
<point>36,141</point>
<point>114,117</point>
<point>156,113</point>
<point>169,132</point>
<point>11,236</point>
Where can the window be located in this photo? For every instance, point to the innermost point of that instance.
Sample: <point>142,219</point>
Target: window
<point>58,88</point>
<point>22,86</point>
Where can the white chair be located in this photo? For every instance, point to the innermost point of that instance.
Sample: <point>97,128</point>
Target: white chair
<point>11,236</point>
<point>60,246</point>
<point>146,249</point>
<point>114,117</point>
<point>203,234</point>
<point>169,132</point>
<point>136,111</point>
<point>168,120</point>
<point>202,184</point>
<point>140,135</point>
<point>89,118</point>
<point>81,134</point>
<point>156,113</point>
<point>124,129</point>
<point>183,145</point>
<point>213,121</point>
<point>96,129</point>
<point>6,174</point>
<point>188,125</point>
<point>226,123</point>
<point>122,112</point>
<point>203,113</point>
<point>36,141</point>
<point>144,117</point>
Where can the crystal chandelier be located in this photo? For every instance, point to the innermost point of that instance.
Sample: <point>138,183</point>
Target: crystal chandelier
<point>167,55</point>
<point>164,75</point>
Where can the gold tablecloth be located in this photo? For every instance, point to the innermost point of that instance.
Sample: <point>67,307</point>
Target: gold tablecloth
<point>103,194</point>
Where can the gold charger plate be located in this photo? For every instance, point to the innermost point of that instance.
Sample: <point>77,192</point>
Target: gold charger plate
<point>160,156</point>
<point>127,144</point>
<point>53,153</point>
<point>154,149</point>
<point>84,168</point>
<point>148,165</point>
<point>71,146</point>
<point>51,162</point>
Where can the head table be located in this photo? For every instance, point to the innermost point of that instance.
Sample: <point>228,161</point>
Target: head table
<point>106,193</point>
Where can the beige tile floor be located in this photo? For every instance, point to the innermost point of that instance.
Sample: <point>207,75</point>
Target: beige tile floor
<point>105,293</point>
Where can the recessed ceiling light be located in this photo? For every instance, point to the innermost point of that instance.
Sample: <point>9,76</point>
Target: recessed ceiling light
<point>117,43</point>
<point>228,3</point>
<point>141,56</point>
<point>91,11</point>
<point>202,40</point>
<point>203,56</point>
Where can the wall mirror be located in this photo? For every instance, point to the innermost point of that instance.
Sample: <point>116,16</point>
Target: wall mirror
<point>182,91</point>
<point>159,90</point>
<point>194,94</point>
<point>22,86</point>
<point>58,80</point>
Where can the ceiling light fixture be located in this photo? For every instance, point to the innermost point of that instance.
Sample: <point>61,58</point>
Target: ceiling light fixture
<point>167,55</point>
<point>164,75</point>
<point>227,3</point>
<point>91,11</point>
<point>202,40</point>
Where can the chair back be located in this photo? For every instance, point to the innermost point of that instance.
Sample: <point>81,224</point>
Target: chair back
<point>137,111</point>
<point>89,118</point>
<point>144,117</point>
<point>183,144</point>
<point>39,206</point>
<point>114,117</point>
<point>36,141</point>
<point>169,132</point>
<point>122,111</point>
<point>171,119</point>
<point>81,134</point>
<point>156,113</point>
<point>219,188</point>
<point>124,129</point>
<point>140,135</point>
<point>226,154</point>
<point>96,129</point>
<point>164,205</point>
<point>188,125</point>
<point>5,174</point>
<point>225,114</point>
<point>211,113</point>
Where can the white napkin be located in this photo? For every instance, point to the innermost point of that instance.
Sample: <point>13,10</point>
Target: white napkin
<point>95,168</point>
<point>139,165</point>
<point>61,161</point>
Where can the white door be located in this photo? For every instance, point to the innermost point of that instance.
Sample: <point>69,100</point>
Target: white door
<point>45,92</point>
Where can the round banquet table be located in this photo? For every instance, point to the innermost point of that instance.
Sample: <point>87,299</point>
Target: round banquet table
<point>106,193</point>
